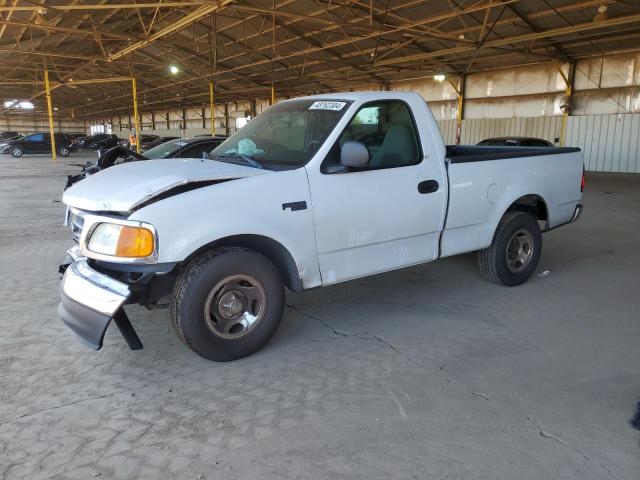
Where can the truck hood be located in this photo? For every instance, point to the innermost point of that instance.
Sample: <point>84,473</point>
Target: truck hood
<point>124,187</point>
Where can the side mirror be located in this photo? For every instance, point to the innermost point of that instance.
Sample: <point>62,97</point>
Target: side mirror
<point>354,154</point>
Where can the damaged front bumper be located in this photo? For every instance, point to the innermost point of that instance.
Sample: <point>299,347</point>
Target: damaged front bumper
<point>90,300</point>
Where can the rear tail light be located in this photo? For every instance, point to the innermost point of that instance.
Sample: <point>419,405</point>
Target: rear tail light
<point>582,181</point>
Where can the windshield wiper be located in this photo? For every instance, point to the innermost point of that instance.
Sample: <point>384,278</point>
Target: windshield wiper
<point>246,158</point>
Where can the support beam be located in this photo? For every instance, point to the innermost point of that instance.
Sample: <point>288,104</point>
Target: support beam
<point>212,106</point>
<point>226,118</point>
<point>50,111</point>
<point>7,17</point>
<point>460,108</point>
<point>568,81</point>
<point>174,27</point>
<point>108,6</point>
<point>582,27</point>
<point>95,80</point>
<point>136,120</point>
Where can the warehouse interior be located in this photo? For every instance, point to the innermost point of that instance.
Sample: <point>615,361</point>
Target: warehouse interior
<point>426,372</point>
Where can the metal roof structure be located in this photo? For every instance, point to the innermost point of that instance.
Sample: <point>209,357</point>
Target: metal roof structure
<point>91,48</point>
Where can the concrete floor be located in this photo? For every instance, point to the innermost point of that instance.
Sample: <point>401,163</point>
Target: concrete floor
<point>424,373</point>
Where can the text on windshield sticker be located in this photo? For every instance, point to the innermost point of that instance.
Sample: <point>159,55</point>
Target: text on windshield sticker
<point>336,106</point>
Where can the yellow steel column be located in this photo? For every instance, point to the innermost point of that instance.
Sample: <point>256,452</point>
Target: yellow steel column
<point>567,99</point>
<point>460,92</point>
<point>212,105</point>
<point>565,116</point>
<point>273,94</point>
<point>135,113</point>
<point>459,118</point>
<point>50,109</point>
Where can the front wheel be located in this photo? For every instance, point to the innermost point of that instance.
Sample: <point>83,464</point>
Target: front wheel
<point>64,151</point>
<point>227,303</point>
<point>16,152</point>
<point>513,255</point>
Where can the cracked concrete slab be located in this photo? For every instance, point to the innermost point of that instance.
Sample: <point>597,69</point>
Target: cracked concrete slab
<point>424,373</point>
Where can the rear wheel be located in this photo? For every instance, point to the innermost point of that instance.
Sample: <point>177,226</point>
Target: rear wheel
<point>16,152</point>
<point>227,303</point>
<point>515,251</point>
<point>64,151</point>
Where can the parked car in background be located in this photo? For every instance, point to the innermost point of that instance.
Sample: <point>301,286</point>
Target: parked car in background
<point>156,142</point>
<point>314,191</point>
<point>37,143</point>
<point>75,135</point>
<point>102,141</point>
<point>149,141</point>
<point>144,140</point>
<point>4,136</point>
<point>177,148</point>
<point>515,142</point>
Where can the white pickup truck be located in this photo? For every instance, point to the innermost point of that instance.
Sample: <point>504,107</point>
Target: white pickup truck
<point>314,191</point>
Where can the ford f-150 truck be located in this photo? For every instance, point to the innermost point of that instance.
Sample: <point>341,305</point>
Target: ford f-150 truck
<point>312,192</point>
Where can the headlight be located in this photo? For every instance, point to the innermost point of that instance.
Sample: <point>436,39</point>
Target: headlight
<point>121,241</point>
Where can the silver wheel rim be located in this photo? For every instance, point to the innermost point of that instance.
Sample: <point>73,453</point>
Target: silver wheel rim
<point>519,250</point>
<point>15,152</point>
<point>235,306</point>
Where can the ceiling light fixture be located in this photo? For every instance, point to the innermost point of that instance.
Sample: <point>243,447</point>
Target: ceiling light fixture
<point>439,77</point>
<point>173,69</point>
<point>602,14</point>
<point>24,105</point>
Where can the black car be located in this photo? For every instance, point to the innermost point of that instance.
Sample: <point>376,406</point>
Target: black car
<point>144,140</point>
<point>154,143</point>
<point>37,143</point>
<point>102,141</point>
<point>4,136</point>
<point>75,136</point>
<point>149,141</point>
<point>515,142</point>
<point>198,147</point>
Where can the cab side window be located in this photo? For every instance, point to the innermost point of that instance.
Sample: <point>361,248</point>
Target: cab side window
<point>388,132</point>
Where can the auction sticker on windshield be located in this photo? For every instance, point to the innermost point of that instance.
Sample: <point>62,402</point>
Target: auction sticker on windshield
<point>337,106</point>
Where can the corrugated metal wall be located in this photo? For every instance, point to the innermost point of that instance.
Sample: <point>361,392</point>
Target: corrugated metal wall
<point>448,129</point>
<point>610,143</point>
<point>477,129</point>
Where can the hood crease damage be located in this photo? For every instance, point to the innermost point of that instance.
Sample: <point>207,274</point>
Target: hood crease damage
<point>173,190</point>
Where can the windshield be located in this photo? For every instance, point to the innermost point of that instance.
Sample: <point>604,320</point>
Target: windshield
<point>164,150</point>
<point>283,137</point>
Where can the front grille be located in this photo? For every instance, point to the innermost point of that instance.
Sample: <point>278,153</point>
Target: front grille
<point>76,222</point>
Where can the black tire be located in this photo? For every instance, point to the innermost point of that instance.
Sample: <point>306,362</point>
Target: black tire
<point>498,263</point>
<point>16,152</point>
<point>195,286</point>
<point>64,151</point>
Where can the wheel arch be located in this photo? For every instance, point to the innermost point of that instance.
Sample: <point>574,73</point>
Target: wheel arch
<point>530,203</point>
<point>270,248</point>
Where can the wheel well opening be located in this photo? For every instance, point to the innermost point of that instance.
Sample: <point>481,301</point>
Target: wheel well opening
<point>533,204</point>
<point>268,247</point>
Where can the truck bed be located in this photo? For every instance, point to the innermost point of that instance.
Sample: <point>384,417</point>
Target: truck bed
<point>482,187</point>
<point>473,153</point>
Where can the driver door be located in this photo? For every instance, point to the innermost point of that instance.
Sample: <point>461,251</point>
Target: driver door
<point>36,143</point>
<point>381,217</point>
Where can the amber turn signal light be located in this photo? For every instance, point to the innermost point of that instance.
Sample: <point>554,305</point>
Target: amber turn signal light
<point>134,242</point>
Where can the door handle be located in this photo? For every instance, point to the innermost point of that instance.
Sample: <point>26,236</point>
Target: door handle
<point>428,186</point>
